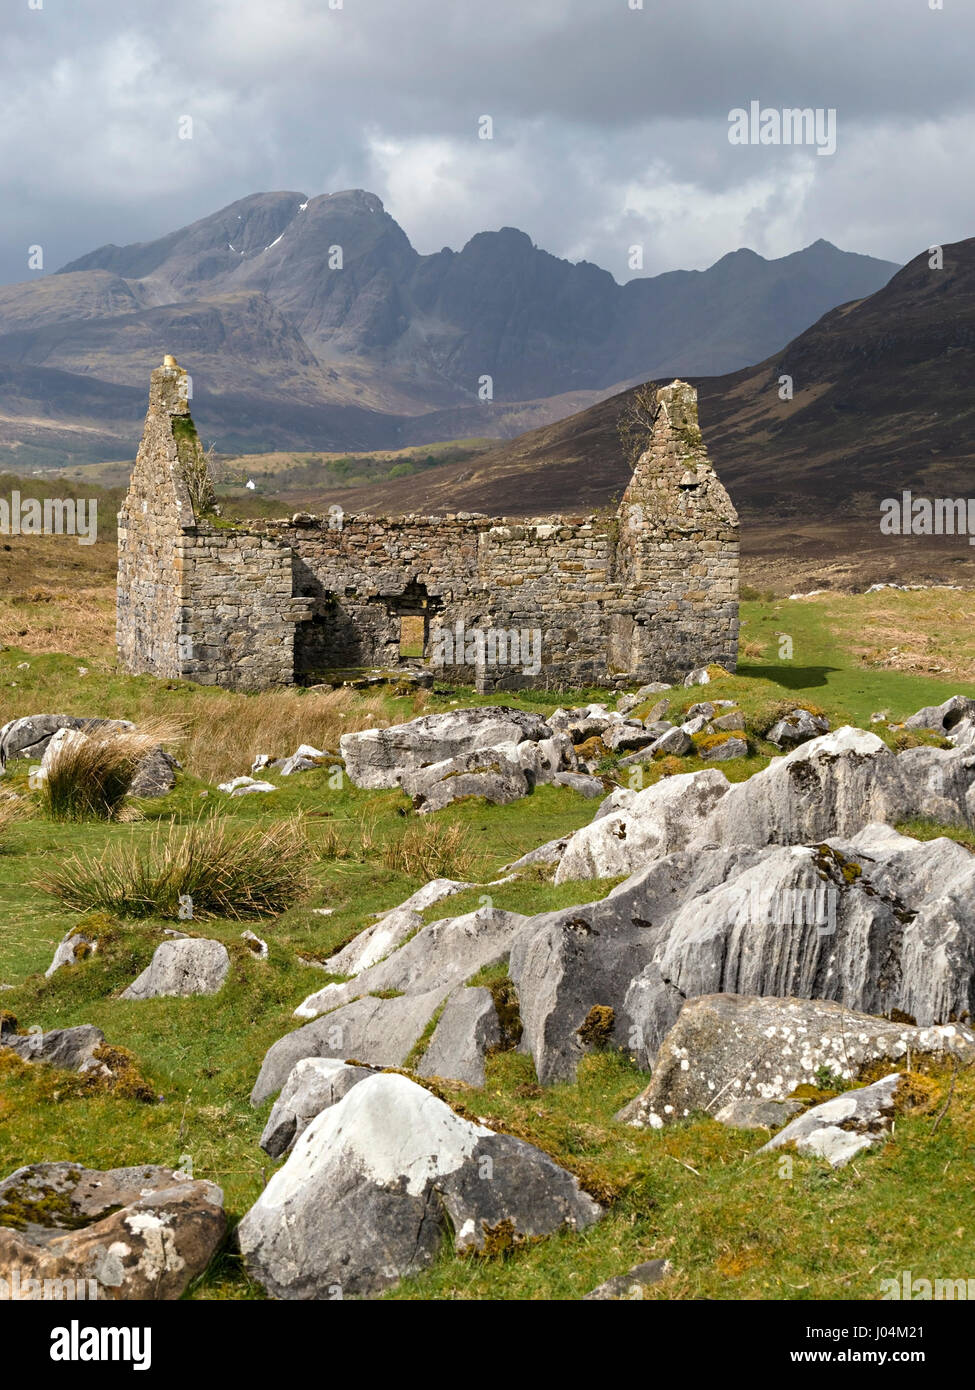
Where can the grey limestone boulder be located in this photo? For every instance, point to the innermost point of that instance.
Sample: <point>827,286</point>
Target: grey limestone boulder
<point>699,676</point>
<point>438,957</point>
<point>380,1032</point>
<point>589,787</point>
<point>315,1083</point>
<point>375,943</point>
<point>839,1129</point>
<point>376,1182</point>
<point>73,947</point>
<point>954,719</point>
<point>832,785</point>
<point>878,923</point>
<point>728,748</point>
<point>487,772</point>
<point>190,965</point>
<point>156,775</point>
<point>379,757</point>
<point>798,727</point>
<point>574,969</point>
<point>628,736</point>
<point>646,825</point>
<point>728,1052</point>
<point>632,1285</point>
<point>70,1048</point>
<point>549,853</point>
<point>466,1032</point>
<point>28,737</point>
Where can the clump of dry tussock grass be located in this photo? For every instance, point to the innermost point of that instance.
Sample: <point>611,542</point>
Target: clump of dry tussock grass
<point>425,850</point>
<point>432,849</point>
<point>90,774</point>
<point>222,870</point>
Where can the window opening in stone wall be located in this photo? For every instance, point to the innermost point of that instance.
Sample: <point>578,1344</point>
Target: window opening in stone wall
<point>412,635</point>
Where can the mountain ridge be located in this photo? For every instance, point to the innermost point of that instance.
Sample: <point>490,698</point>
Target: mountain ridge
<point>254,302</point>
<point>882,402</point>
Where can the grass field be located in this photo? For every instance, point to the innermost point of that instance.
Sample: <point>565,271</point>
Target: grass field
<point>696,1193</point>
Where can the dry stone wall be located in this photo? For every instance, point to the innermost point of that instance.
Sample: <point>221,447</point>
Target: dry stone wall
<point>645,594</point>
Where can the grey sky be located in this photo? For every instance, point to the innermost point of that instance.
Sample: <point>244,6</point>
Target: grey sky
<point>610,123</point>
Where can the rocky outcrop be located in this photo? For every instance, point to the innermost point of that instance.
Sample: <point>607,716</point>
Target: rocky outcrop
<point>567,964</point>
<point>41,737</point>
<point>487,773</point>
<point>797,727</point>
<point>878,923</point>
<point>442,955</point>
<point>635,827</point>
<point>29,737</point>
<point>831,785</point>
<point>382,1032</point>
<point>380,757</point>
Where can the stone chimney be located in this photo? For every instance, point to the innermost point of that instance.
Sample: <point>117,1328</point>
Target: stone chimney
<point>673,477</point>
<point>169,389</point>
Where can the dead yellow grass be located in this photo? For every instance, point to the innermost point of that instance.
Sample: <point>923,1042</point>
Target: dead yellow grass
<point>58,596</point>
<point>9,811</point>
<point>227,731</point>
<point>79,623</point>
<point>927,632</point>
<point>222,731</point>
<point>431,849</point>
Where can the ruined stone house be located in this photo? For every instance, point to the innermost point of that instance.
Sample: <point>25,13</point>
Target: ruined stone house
<point>644,594</point>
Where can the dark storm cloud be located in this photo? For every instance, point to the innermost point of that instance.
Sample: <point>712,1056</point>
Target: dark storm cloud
<point>610,123</point>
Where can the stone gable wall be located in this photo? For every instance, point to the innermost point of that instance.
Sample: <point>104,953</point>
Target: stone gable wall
<point>150,537</point>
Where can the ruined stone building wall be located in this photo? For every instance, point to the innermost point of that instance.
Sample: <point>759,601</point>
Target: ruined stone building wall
<point>196,600</point>
<point>646,594</point>
<point>237,624</point>
<point>364,576</point>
